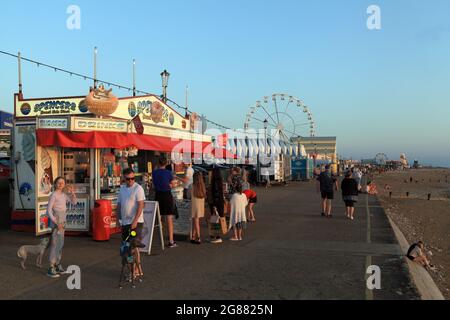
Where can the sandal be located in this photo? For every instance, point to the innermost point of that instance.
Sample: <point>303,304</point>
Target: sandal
<point>234,239</point>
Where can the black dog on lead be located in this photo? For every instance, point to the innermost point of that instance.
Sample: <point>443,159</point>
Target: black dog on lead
<point>129,260</point>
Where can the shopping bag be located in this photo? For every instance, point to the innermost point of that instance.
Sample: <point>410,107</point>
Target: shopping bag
<point>217,224</point>
<point>223,225</point>
<point>215,230</point>
<point>215,218</point>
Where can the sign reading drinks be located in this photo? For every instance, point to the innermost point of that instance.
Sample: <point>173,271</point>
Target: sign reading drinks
<point>92,124</point>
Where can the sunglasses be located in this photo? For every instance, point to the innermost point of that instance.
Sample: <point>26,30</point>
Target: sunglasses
<point>129,179</point>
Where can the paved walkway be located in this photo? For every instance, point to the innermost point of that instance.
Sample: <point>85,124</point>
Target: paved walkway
<point>291,252</point>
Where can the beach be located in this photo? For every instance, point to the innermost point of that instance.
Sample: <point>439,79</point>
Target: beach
<point>419,218</point>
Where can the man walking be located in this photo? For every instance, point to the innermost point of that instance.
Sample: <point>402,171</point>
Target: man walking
<point>130,205</point>
<point>163,182</point>
<point>326,183</point>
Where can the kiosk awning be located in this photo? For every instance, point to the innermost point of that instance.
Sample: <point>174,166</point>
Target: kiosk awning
<point>117,140</point>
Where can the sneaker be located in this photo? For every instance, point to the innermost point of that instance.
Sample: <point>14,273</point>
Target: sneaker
<point>218,240</point>
<point>172,245</point>
<point>52,272</point>
<point>59,269</point>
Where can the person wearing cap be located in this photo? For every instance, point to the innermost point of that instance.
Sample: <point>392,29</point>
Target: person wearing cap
<point>326,183</point>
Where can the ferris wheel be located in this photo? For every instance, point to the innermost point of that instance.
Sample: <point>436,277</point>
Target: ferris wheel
<point>281,114</point>
<point>381,159</point>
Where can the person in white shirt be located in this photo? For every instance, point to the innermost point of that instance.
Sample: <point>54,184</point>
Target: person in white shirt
<point>130,205</point>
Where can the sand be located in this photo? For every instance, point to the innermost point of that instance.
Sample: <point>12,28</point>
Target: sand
<point>418,218</point>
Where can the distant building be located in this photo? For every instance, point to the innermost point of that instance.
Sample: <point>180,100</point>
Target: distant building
<point>366,162</point>
<point>320,148</point>
<point>6,120</point>
<point>394,164</point>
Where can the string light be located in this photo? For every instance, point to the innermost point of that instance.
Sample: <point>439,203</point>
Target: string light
<point>71,73</point>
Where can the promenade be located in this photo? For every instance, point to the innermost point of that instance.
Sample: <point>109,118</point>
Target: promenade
<point>291,252</point>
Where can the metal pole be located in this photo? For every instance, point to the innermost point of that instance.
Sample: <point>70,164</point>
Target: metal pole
<point>95,67</point>
<point>186,97</point>
<point>19,60</point>
<point>134,78</point>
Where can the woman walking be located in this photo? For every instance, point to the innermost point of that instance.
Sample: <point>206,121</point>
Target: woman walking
<point>238,217</point>
<point>197,206</point>
<point>349,188</point>
<point>57,212</point>
<point>217,201</point>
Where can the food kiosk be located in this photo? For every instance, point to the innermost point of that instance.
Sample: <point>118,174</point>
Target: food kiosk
<point>89,140</point>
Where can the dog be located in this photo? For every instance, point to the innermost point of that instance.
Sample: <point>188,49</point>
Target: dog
<point>38,250</point>
<point>129,261</point>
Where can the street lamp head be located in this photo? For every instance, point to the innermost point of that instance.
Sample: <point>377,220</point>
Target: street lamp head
<point>265,123</point>
<point>165,78</point>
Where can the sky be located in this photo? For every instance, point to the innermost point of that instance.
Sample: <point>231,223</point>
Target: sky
<point>385,90</point>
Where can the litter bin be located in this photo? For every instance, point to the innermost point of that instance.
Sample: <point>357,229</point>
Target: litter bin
<point>101,224</point>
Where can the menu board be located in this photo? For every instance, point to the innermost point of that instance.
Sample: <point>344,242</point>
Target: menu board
<point>182,225</point>
<point>152,219</point>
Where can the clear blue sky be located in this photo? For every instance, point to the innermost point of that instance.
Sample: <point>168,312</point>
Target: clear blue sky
<point>377,91</point>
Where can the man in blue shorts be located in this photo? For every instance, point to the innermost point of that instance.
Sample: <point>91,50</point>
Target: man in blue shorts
<point>326,184</point>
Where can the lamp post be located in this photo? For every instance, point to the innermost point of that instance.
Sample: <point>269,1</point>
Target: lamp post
<point>265,134</point>
<point>95,67</point>
<point>165,80</point>
<point>265,150</point>
<point>134,78</point>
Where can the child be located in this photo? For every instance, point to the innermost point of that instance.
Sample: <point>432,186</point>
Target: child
<point>238,219</point>
<point>56,210</point>
<point>252,199</point>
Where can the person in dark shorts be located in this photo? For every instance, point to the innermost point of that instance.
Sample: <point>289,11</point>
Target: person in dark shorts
<point>349,188</point>
<point>162,180</point>
<point>326,185</point>
<point>252,200</point>
<point>217,199</point>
